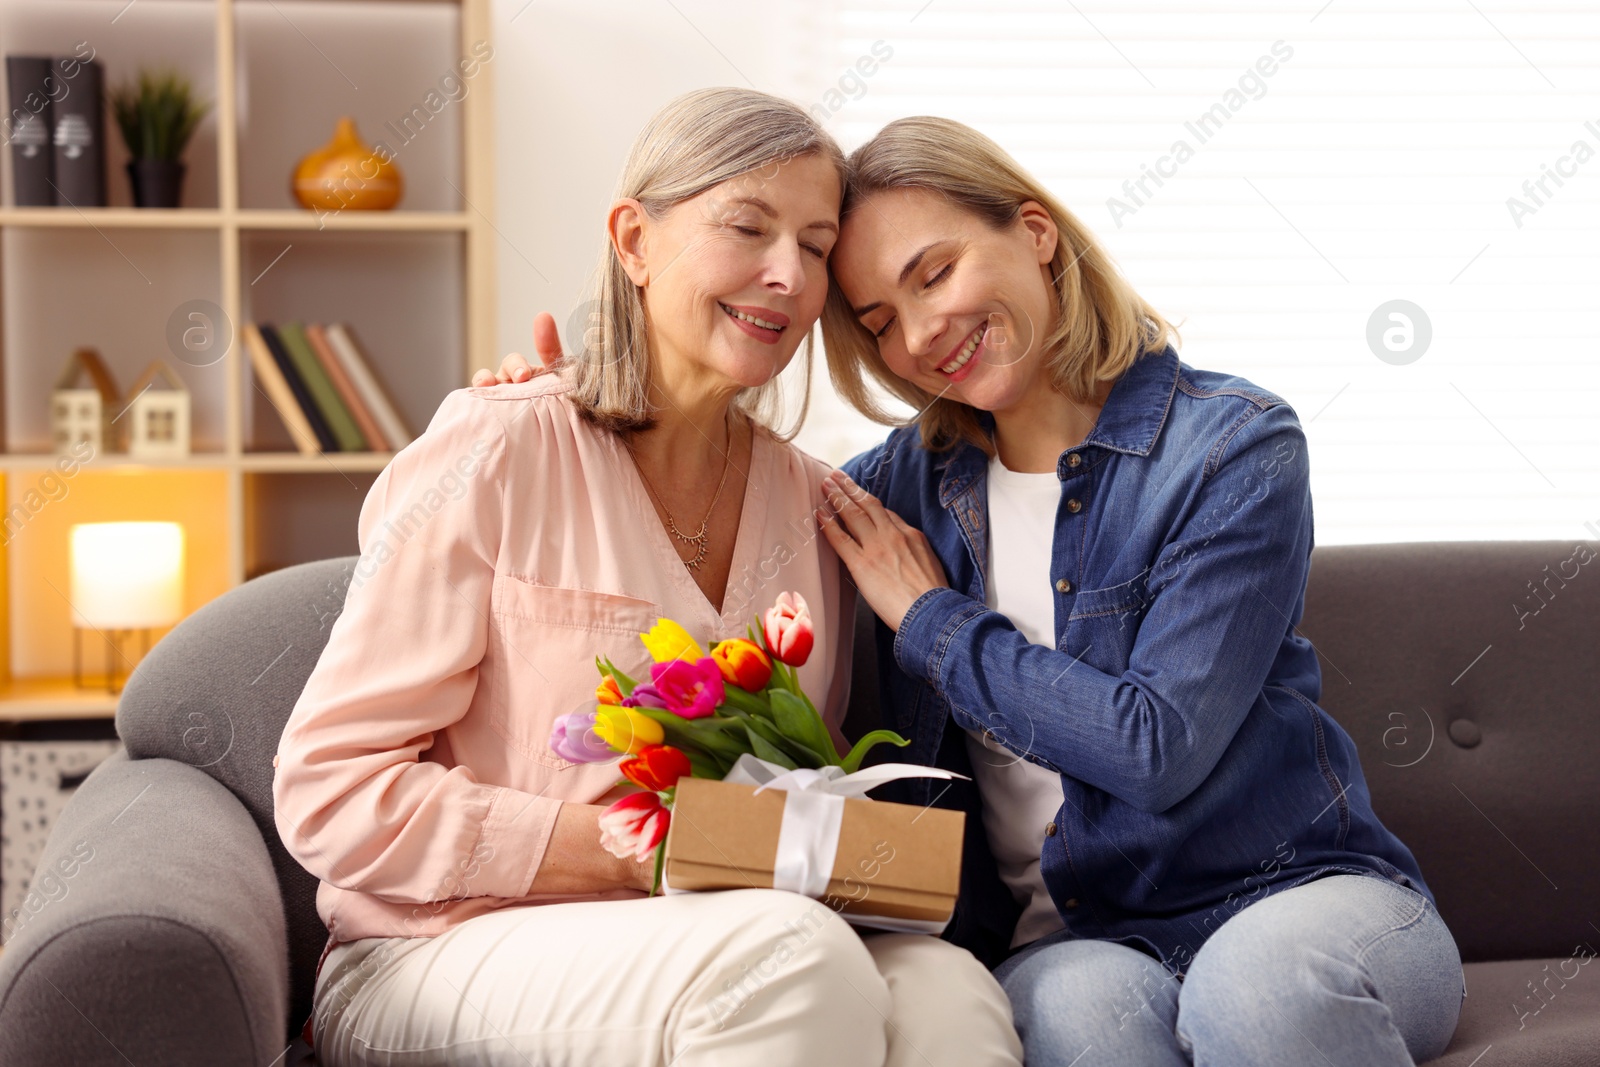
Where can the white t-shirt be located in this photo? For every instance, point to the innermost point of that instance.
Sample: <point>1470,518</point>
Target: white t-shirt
<point>1020,798</point>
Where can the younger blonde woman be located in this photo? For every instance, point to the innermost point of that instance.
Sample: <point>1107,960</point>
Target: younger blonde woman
<point>1089,559</point>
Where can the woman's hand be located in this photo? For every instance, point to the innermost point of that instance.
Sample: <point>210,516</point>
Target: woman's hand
<point>513,368</point>
<point>891,562</point>
<point>575,862</point>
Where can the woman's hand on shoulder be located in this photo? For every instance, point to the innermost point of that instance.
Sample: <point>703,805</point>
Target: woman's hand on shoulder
<point>891,561</point>
<point>513,368</point>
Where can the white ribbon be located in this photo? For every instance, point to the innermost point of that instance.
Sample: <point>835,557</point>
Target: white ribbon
<point>808,838</point>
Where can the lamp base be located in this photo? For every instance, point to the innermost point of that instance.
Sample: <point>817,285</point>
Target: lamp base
<point>114,679</point>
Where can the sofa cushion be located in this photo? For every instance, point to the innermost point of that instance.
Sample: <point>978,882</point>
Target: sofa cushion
<point>1528,1014</point>
<point>1467,674</point>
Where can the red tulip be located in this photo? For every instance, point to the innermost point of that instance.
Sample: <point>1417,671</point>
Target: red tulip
<point>743,664</point>
<point>655,767</point>
<point>633,826</point>
<point>788,630</point>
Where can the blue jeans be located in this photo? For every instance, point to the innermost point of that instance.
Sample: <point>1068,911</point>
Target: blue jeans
<point>1344,970</point>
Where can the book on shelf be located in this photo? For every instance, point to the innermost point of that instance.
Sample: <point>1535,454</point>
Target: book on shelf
<point>28,127</point>
<point>317,337</point>
<point>323,394</point>
<point>359,367</point>
<point>284,396</point>
<point>323,388</point>
<point>78,116</point>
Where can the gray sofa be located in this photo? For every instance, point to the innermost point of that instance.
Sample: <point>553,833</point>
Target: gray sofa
<point>185,934</point>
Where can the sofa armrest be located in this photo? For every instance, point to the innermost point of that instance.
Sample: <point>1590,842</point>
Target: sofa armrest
<point>153,931</point>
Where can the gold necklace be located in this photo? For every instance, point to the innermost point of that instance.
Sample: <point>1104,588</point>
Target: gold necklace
<point>698,539</point>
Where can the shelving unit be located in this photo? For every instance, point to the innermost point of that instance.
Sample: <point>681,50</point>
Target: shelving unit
<point>417,283</point>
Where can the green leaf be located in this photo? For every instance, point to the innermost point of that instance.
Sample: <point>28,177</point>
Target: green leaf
<point>798,720</point>
<point>802,754</point>
<point>852,762</point>
<point>624,683</point>
<point>733,696</point>
<point>690,735</point>
<point>705,765</point>
<point>157,116</point>
<point>762,749</point>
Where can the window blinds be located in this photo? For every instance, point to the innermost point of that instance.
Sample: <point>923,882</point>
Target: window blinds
<point>1281,180</point>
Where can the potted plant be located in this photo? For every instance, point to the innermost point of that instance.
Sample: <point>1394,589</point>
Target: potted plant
<point>157,117</point>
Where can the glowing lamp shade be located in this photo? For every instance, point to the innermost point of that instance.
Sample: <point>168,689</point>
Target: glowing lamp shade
<point>127,575</point>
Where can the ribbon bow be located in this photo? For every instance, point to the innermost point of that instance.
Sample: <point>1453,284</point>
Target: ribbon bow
<point>808,839</point>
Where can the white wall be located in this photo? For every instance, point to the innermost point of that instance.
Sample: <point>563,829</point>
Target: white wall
<point>1378,166</point>
<point>574,82</point>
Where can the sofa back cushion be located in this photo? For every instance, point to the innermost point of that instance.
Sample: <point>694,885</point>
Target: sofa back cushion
<point>1473,702</point>
<point>1468,674</point>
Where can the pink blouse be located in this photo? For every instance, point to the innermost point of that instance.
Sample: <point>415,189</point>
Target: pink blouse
<point>501,552</point>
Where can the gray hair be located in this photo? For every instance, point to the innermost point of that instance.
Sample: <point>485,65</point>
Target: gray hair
<point>697,141</point>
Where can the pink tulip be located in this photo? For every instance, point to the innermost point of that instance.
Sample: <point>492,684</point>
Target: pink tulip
<point>788,630</point>
<point>691,690</point>
<point>632,827</point>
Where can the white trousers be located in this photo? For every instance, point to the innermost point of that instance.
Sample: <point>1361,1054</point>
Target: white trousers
<point>746,976</point>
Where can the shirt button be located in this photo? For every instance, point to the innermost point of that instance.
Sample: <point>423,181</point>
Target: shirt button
<point>1074,460</point>
<point>1050,831</point>
<point>1063,586</point>
<point>1073,506</point>
<point>1070,902</point>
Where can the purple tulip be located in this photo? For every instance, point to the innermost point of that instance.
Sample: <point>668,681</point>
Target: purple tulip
<point>573,739</point>
<point>644,696</point>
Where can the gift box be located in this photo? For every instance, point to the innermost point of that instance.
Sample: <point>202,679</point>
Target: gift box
<point>879,864</point>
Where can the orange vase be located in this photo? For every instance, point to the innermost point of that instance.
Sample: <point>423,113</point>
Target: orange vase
<point>347,173</point>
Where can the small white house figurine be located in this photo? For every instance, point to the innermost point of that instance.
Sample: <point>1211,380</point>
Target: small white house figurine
<point>84,414</point>
<point>158,419</point>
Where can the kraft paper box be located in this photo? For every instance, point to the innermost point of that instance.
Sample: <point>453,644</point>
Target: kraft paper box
<point>896,866</point>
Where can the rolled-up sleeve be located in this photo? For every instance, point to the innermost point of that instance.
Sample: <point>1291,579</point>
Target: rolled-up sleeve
<point>352,800</point>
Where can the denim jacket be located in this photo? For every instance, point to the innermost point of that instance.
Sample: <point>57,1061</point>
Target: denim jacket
<point>1179,704</point>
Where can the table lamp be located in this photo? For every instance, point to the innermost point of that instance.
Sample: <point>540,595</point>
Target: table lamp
<point>125,576</point>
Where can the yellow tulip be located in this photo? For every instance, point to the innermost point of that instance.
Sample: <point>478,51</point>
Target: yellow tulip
<point>625,730</point>
<point>667,641</point>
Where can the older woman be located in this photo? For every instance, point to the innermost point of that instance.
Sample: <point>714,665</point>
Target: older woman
<point>473,914</point>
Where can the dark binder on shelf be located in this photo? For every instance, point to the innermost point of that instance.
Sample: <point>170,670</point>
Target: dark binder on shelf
<point>79,138</point>
<point>302,395</point>
<point>28,128</point>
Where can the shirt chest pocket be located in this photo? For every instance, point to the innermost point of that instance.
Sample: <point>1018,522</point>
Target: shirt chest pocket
<point>1105,622</point>
<point>543,641</point>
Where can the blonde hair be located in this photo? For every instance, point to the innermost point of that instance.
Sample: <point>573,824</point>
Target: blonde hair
<point>697,141</point>
<point>1102,327</point>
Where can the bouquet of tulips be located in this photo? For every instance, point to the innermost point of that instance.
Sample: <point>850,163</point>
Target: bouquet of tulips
<point>699,713</point>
